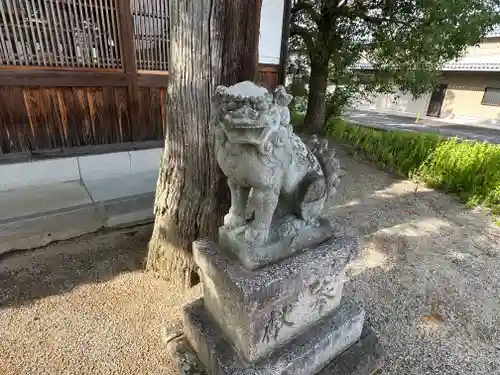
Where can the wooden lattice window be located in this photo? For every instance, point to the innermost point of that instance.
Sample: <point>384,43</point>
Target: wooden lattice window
<point>60,33</point>
<point>151,34</point>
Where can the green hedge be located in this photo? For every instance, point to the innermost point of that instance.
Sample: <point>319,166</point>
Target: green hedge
<point>469,169</point>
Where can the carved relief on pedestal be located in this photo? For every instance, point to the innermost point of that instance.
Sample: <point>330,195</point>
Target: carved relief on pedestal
<point>320,296</point>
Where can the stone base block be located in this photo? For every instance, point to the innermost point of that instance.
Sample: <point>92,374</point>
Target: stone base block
<point>365,357</point>
<point>261,310</point>
<point>305,355</point>
<point>287,236</point>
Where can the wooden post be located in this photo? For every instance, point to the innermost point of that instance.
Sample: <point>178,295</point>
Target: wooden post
<point>285,34</point>
<point>128,59</point>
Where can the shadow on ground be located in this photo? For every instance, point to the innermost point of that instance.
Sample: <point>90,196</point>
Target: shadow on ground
<point>60,267</point>
<point>427,275</point>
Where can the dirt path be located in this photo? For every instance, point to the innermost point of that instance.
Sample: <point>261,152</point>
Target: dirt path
<point>426,276</point>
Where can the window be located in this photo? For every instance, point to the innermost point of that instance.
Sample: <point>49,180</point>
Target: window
<point>491,96</point>
<point>151,33</point>
<point>64,33</point>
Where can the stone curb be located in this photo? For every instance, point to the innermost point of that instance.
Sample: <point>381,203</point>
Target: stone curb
<point>37,230</point>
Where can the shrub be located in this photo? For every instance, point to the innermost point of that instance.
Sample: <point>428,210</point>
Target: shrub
<point>297,118</point>
<point>469,169</point>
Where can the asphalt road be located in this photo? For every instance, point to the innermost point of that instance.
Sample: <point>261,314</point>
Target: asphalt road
<point>488,133</point>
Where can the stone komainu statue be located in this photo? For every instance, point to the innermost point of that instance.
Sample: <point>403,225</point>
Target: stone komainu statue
<point>261,157</point>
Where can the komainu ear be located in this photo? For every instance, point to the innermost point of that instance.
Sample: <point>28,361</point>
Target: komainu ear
<point>281,96</point>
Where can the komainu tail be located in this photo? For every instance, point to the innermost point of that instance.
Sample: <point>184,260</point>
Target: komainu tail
<point>329,164</point>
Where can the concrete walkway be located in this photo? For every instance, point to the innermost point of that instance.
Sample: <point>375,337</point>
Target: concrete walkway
<point>46,201</point>
<point>478,132</point>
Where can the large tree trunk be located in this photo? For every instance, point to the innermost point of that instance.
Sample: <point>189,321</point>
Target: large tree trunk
<point>212,42</point>
<point>316,106</point>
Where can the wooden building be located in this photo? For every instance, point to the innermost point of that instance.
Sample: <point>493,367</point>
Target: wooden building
<point>90,76</point>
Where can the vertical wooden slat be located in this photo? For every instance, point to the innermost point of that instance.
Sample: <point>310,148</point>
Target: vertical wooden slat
<point>144,34</point>
<point>15,45</point>
<point>128,55</point>
<point>30,35</point>
<point>139,34</point>
<point>16,22</point>
<point>77,39</point>
<point>8,38</point>
<point>23,24</point>
<point>91,32</point>
<point>45,43</point>
<point>39,60</point>
<point>67,42</point>
<point>166,32</point>
<point>117,34</point>
<point>104,35</point>
<point>50,27</point>
<point>5,55</point>
<point>55,23</point>
<point>147,34</point>
<point>135,19</point>
<point>152,35</point>
<point>98,35</point>
<point>86,42</point>
<point>161,20</point>
<point>159,27</point>
<point>112,60</point>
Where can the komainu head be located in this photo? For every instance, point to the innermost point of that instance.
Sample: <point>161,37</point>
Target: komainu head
<point>246,112</point>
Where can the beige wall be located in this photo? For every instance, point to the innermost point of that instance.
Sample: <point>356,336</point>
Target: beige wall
<point>487,48</point>
<point>399,103</point>
<point>465,93</point>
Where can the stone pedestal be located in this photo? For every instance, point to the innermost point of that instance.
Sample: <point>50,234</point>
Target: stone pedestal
<point>284,318</point>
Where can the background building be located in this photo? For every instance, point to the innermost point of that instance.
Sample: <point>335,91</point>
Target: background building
<point>468,90</point>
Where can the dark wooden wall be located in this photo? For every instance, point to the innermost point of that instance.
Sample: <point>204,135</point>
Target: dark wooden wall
<point>268,75</point>
<point>71,102</point>
<point>43,118</point>
<point>35,117</point>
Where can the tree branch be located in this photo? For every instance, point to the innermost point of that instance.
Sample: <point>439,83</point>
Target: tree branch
<point>306,7</point>
<point>306,35</point>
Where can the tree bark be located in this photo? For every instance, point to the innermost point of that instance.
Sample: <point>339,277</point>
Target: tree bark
<point>315,114</point>
<point>209,46</point>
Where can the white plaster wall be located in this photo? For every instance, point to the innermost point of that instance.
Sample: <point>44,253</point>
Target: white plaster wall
<point>82,168</point>
<point>271,23</point>
<point>400,103</point>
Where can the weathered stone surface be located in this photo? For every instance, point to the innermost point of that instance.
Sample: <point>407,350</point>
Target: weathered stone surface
<point>287,236</point>
<point>304,355</point>
<point>261,310</point>
<point>365,357</point>
<point>258,152</point>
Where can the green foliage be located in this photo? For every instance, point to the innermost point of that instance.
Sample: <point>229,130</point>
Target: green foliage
<point>405,41</point>
<point>298,76</point>
<point>466,168</point>
<point>296,118</point>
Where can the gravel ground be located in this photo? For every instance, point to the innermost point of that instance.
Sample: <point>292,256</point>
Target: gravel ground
<point>426,276</point>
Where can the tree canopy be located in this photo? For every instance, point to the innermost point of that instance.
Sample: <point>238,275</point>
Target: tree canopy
<point>405,41</point>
